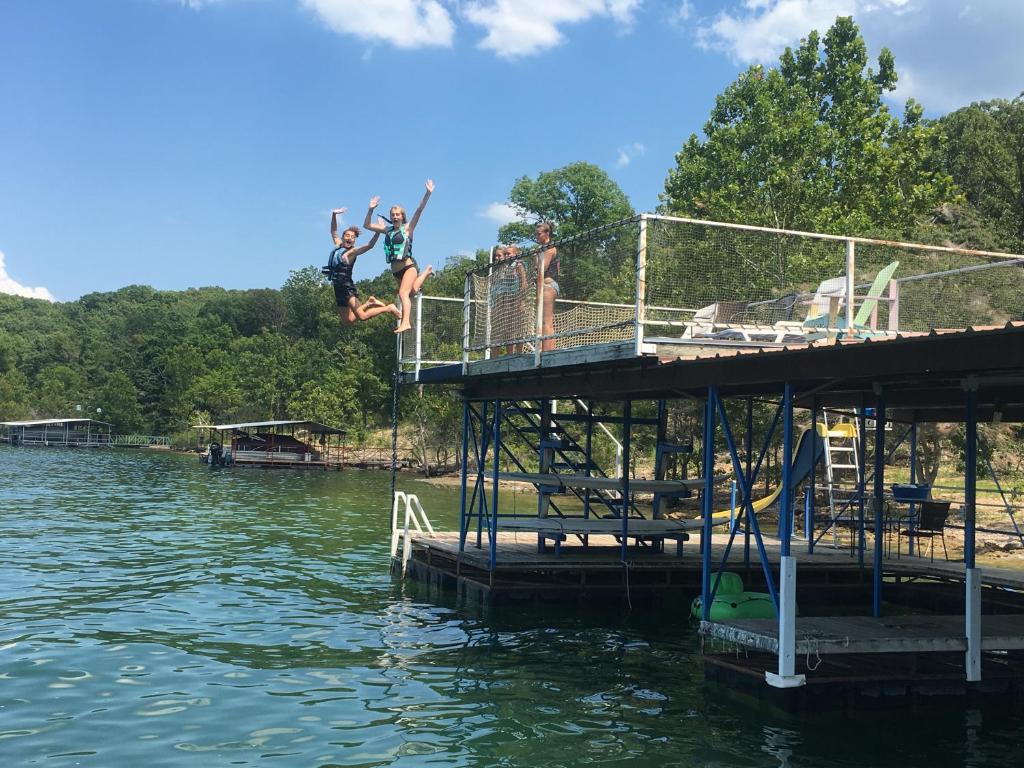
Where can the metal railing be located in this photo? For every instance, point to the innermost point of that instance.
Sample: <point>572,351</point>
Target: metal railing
<point>414,514</point>
<point>139,441</point>
<point>654,279</point>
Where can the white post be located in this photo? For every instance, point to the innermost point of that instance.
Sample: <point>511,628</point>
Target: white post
<point>419,333</point>
<point>467,303</point>
<point>540,307</point>
<point>641,285</point>
<point>851,265</point>
<point>972,621</point>
<point>787,628</point>
<point>487,323</point>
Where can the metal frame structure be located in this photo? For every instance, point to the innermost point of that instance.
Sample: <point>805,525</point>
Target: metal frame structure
<point>58,432</point>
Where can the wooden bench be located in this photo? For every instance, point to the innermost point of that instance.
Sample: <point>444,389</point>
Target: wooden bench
<point>559,529</point>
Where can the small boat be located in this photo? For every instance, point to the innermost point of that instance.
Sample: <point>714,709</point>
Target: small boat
<point>733,602</point>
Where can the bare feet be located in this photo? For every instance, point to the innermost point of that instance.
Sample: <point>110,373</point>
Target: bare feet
<point>395,311</point>
<point>373,301</point>
<point>428,271</point>
<point>403,328</point>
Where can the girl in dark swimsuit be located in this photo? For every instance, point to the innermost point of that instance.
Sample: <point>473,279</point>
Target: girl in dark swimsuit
<point>342,260</point>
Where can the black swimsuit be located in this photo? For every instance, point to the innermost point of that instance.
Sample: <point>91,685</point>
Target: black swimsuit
<point>344,288</point>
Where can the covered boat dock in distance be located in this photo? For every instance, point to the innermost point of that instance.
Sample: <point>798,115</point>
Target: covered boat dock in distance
<point>880,356</point>
<point>274,444</point>
<point>74,433</point>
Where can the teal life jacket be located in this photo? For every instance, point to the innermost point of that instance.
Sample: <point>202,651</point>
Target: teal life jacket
<point>397,245</point>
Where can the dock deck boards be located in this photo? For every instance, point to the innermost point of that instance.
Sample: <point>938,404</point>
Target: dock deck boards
<point>518,551</point>
<point>865,634</point>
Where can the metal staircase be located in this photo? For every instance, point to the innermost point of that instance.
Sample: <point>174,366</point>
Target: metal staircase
<point>562,453</point>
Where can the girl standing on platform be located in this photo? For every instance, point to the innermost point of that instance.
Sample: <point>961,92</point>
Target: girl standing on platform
<point>398,252</point>
<point>547,282</point>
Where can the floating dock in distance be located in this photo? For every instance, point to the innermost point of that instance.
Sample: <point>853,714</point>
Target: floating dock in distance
<point>67,433</point>
<point>285,444</point>
<point>659,309</point>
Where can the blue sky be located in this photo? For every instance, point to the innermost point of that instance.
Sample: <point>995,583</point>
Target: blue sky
<point>181,143</point>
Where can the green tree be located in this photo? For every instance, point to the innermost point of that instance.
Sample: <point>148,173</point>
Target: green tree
<point>984,152</point>
<point>577,197</point>
<point>120,402</point>
<point>810,145</point>
<point>59,388</point>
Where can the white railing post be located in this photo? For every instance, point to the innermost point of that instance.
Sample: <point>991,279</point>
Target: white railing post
<point>851,265</point>
<point>419,333</point>
<point>540,307</point>
<point>467,302</point>
<point>641,285</point>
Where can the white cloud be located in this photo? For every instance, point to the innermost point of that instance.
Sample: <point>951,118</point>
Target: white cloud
<point>683,13</point>
<point>628,153</point>
<point>948,53</point>
<point>403,23</point>
<point>500,213</point>
<point>9,285</point>
<point>524,27</point>
<point>757,31</point>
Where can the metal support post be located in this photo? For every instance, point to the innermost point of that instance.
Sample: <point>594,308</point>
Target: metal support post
<point>627,428</point>
<point>748,507</point>
<point>972,616</point>
<point>877,501</point>
<point>862,474</point>
<point>588,457</point>
<point>464,476</point>
<point>641,284</point>
<point>786,497</point>
<point>913,480</point>
<point>748,444</point>
<point>495,443</point>
<point>851,266</point>
<point>811,481</point>
<point>467,303</point>
<point>709,490</point>
<point>481,469</point>
<point>540,308</point>
<point>419,333</point>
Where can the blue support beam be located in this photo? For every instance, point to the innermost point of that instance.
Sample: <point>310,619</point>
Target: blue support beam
<point>862,483</point>
<point>970,475</point>
<point>464,475</point>
<point>627,430</point>
<point>495,442</point>
<point>708,506</point>
<point>748,445</point>
<point>748,503</point>
<point>913,479</point>
<point>878,502</point>
<point>786,497</point>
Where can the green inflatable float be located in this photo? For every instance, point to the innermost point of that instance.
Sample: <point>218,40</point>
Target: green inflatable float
<point>732,602</point>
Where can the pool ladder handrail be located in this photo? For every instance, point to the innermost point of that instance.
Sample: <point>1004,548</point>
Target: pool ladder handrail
<point>415,513</point>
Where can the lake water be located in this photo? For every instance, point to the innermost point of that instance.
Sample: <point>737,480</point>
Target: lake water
<point>154,612</point>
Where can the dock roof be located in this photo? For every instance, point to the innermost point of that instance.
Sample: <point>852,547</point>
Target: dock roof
<point>923,375</point>
<point>46,422</point>
<point>310,426</point>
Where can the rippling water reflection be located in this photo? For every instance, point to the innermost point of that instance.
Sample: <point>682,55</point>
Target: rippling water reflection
<point>154,612</point>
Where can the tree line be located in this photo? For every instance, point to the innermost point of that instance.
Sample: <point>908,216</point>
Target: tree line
<point>808,144</point>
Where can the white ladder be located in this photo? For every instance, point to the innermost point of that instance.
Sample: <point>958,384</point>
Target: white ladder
<point>415,515</point>
<point>841,458</point>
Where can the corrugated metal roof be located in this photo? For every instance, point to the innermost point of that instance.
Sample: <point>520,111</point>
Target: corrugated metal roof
<point>42,422</point>
<point>312,426</point>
